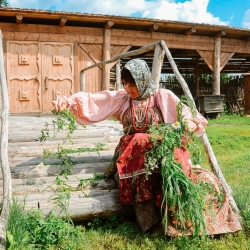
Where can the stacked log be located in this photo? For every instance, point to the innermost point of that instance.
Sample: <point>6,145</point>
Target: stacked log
<point>35,179</point>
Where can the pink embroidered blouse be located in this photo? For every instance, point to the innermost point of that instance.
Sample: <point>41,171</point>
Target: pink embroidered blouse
<point>91,108</point>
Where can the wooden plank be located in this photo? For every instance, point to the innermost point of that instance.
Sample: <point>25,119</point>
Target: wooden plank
<point>94,51</point>
<point>93,157</point>
<point>216,72</point>
<point>51,29</point>
<point>80,208</point>
<point>116,50</point>
<point>92,77</point>
<point>224,58</point>
<point>106,56</point>
<point>24,36</point>
<point>29,170</point>
<point>208,57</point>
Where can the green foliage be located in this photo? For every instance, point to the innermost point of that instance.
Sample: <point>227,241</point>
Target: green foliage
<point>4,3</point>
<point>32,231</point>
<point>64,121</point>
<point>181,197</point>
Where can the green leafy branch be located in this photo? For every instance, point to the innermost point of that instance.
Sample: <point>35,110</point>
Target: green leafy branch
<point>182,199</point>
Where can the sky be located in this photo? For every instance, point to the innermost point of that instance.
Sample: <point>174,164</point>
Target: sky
<point>234,13</point>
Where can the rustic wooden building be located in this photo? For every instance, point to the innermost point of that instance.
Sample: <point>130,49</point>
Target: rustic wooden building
<point>46,50</point>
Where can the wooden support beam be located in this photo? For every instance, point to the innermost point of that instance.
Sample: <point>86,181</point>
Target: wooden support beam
<point>63,21</point>
<point>153,27</point>
<point>197,84</point>
<point>216,67</point>
<point>118,75</point>
<point>190,31</point>
<point>19,18</point>
<point>106,56</point>
<point>221,33</point>
<point>109,24</point>
<point>157,65</point>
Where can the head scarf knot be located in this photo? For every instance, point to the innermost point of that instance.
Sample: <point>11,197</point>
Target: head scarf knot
<point>141,73</point>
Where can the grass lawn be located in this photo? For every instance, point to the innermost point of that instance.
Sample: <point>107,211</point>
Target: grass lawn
<point>230,140</point>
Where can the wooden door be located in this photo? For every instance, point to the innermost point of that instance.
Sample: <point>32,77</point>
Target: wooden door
<point>57,72</point>
<point>24,76</point>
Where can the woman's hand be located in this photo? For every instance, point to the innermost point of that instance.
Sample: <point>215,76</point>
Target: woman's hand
<point>60,103</point>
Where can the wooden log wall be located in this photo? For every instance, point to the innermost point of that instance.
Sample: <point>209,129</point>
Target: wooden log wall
<point>92,45</point>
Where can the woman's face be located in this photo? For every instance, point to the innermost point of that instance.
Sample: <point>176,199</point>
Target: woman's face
<point>131,89</point>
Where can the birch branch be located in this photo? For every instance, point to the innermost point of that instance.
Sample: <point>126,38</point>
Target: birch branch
<point>4,108</point>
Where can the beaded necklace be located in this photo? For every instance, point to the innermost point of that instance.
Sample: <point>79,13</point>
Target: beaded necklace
<point>139,114</point>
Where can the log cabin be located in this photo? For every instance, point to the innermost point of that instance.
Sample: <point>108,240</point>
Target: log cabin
<point>46,50</point>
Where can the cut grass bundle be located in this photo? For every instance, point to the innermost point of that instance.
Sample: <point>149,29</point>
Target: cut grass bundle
<point>183,199</point>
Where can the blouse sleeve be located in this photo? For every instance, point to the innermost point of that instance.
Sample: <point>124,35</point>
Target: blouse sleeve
<point>167,102</point>
<point>90,108</point>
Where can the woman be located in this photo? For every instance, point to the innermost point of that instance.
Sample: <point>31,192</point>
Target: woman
<point>138,106</point>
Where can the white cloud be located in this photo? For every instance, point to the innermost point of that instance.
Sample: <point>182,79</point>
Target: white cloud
<point>246,19</point>
<point>189,11</point>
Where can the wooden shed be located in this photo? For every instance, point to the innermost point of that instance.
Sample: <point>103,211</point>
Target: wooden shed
<point>46,50</point>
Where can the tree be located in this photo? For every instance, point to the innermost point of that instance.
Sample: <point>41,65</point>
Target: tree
<point>3,3</point>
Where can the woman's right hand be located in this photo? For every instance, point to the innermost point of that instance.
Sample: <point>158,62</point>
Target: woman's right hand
<point>60,103</point>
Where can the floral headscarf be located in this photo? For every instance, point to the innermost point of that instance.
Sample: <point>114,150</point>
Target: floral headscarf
<point>141,73</point>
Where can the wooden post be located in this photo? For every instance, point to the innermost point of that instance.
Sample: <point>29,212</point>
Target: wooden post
<point>197,84</point>
<point>157,65</point>
<point>216,72</point>
<point>118,75</point>
<point>209,151</point>
<point>4,124</point>
<point>106,55</point>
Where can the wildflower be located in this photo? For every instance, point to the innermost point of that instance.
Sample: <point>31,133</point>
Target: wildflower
<point>176,125</point>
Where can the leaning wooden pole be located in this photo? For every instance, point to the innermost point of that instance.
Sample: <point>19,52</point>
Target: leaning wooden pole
<point>4,122</point>
<point>209,151</point>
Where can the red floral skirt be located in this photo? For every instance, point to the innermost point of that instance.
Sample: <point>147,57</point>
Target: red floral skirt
<point>135,188</point>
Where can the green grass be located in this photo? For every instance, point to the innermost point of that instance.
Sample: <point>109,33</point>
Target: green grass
<point>230,140</point>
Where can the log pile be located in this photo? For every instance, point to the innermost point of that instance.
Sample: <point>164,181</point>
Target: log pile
<point>38,182</point>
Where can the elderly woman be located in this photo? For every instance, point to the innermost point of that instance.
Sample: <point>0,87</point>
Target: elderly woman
<point>138,106</point>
